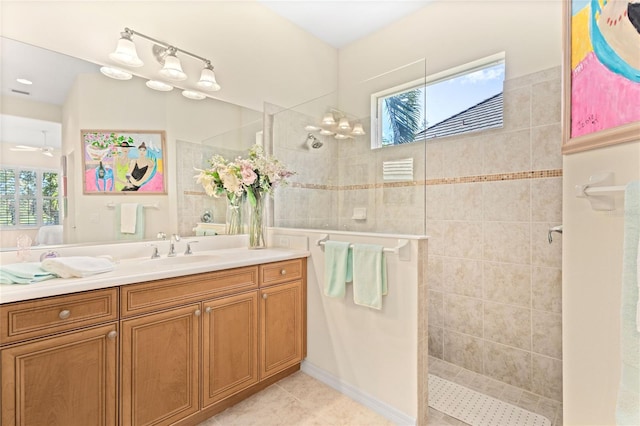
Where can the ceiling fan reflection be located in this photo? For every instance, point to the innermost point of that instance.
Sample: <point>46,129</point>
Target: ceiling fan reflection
<point>45,150</point>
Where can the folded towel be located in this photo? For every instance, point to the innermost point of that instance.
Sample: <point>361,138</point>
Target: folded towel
<point>369,275</point>
<point>128,214</point>
<point>77,266</point>
<point>628,402</point>
<point>23,273</point>
<point>337,267</point>
<point>139,221</point>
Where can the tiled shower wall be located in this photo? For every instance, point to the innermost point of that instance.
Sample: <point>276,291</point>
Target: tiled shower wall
<point>486,200</point>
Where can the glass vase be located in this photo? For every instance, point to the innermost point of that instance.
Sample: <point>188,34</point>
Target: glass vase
<point>256,221</point>
<point>234,223</point>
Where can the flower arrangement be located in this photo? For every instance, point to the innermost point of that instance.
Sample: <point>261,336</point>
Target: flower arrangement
<point>248,178</point>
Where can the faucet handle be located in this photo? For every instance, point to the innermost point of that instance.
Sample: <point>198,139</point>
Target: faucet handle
<point>161,236</point>
<point>188,250</point>
<point>175,237</point>
<point>154,254</point>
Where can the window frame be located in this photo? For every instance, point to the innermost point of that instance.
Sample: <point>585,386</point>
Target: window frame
<point>427,80</point>
<point>39,197</point>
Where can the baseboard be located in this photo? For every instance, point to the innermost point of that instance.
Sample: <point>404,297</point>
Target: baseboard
<point>390,413</point>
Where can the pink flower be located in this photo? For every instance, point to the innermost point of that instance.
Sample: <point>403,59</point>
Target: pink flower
<point>248,175</point>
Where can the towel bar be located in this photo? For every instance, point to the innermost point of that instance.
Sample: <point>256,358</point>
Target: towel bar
<point>600,192</point>
<point>112,206</point>
<point>402,249</point>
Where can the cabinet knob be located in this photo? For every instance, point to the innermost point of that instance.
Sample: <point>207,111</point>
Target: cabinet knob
<point>283,272</point>
<point>197,312</point>
<point>208,309</point>
<point>265,295</point>
<point>64,314</point>
<point>112,334</point>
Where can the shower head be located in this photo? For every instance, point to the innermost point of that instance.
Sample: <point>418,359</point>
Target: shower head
<point>313,141</point>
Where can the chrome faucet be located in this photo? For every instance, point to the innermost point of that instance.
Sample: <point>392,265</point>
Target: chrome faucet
<point>188,250</point>
<point>172,245</point>
<point>155,254</point>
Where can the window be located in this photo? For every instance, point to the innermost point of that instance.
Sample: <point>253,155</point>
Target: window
<point>29,197</point>
<point>463,99</point>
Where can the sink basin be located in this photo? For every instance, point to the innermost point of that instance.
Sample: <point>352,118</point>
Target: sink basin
<point>182,260</point>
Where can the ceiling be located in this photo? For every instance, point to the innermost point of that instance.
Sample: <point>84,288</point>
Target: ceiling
<point>337,23</point>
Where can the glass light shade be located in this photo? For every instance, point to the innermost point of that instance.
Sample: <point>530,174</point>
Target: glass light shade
<point>328,119</point>
<point>208,80</point>
<point>343,124</point>
<point>172,68</point>
<point>358,130</point>
<point>192,94</point>
<point>159,85</point>
<point>311,128</point>
<point>24,81</point>
<point>326,132</point>
<point>116,73</point>
<point>126,54</point>
<point>341,136</point>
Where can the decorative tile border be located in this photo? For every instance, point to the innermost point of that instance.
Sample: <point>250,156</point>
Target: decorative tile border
<point>533,174</point>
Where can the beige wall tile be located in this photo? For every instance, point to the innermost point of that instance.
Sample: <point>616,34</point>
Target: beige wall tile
<point>463,314</point>
<point>465,202</point>
<point>547,333</point>
<point>435,158</point>
<point>547,289</point>
<point>436,232</point>
<point>543,253</point>
<point>507,201</point>
<point>436,341</point>
<point>545,102</point>
<point>507,242</point>
<point>546,145</point>
<point>462,157</point>
<point>434,273</point>
<point>463,350</point>
<point>438,201</point>
<point>547,377</point>
<point>546,200</point>
<point>463,239</point>
<point>507,283</point>
<point>507,364</point>
<point>517,108</point>
<point>507,152</point>
<point>436,309</point>
<point>506,324</point>
<point>462,276</point>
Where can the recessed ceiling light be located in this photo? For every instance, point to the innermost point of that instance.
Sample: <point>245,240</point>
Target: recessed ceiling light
<point>116,73</point>
<point>24,81</point>
<point>192,94</point>
<point>159,85</point>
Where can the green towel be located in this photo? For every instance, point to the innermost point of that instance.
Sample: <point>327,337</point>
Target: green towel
<point>369,275</point>
<point>628,403</point>
<point>337,267</point>
<point>23,273</point>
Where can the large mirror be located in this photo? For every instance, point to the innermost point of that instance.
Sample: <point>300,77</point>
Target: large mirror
<point>40,139</point>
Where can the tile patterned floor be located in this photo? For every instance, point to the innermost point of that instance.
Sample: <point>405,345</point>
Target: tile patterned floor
<point>301,400</point>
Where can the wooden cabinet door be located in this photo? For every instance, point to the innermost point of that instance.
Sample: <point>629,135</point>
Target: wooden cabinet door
<point>64,380</point>
<point>281,327</point>
<point>230,346</point>
<point>160,367</point>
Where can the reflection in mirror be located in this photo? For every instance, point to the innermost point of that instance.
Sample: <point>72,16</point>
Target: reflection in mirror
<point>85,99</point>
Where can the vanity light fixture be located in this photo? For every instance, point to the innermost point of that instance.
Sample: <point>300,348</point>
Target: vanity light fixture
<point>159,85</point>
<point>192,94</point>
<point>167,55</point>
<point>116,73</point>
<point>336,123</point>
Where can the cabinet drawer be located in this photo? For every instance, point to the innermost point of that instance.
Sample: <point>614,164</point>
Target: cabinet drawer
<point>152,296</point>
<point>25,320</point>
<point>279,272</point>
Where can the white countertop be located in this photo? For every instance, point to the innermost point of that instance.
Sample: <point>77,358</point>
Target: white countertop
<point>145,269</point>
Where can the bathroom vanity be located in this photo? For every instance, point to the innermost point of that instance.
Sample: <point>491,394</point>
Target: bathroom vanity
<point>173,350</point>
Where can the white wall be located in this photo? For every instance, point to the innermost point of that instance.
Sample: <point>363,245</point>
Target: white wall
<point>592,279</point>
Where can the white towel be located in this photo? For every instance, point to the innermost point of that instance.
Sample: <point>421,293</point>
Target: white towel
<point>77,266</point>
<point>128,215</point>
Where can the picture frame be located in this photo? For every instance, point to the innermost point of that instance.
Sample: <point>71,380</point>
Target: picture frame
<point>124,162</point>
<point>600,75</point>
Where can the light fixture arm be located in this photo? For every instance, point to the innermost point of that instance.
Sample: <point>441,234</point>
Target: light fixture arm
<point>167,46</point>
